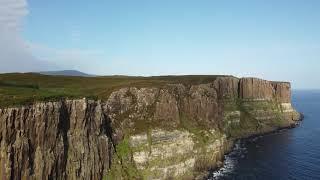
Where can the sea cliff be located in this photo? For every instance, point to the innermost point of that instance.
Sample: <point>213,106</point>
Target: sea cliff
<point>179,131</point>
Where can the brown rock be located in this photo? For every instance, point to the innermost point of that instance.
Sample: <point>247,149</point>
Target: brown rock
<point>75,139</point>
<point>282,91</point>
<point>59,140</point>
<point>227,87</point>
<point>167,108</point>
<point>253,88</point>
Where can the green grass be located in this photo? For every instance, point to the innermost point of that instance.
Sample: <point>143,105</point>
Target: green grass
<point>249,124</point>
<point>123,166</point>
<point>25,88</point>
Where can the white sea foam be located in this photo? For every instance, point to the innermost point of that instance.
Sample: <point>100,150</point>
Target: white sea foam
<point>230,162</point>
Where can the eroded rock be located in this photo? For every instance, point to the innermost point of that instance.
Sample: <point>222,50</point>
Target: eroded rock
<point>178,130</point>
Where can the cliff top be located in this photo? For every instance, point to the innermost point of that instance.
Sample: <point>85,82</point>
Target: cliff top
<point>24,88</point>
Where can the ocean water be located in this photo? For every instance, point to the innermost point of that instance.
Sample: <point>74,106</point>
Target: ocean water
<point>288,154</point>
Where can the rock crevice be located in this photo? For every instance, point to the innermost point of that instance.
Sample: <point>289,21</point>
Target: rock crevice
<point>175,131</point>
<point>55,140</point>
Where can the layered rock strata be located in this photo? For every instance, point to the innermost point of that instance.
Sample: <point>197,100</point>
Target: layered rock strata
<point>177,131</point>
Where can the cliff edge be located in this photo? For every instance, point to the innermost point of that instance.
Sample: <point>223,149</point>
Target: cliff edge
<point>180,130</point>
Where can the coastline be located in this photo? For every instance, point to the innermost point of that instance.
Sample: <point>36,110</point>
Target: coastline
<point>177,131</point>
<point>235,142</point>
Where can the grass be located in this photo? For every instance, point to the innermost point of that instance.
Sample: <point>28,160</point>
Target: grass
<point>249,124</point>
<point>26,88</point>
<point>123,166</point>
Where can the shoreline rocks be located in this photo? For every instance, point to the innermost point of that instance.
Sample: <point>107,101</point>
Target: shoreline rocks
<point>176,131</point>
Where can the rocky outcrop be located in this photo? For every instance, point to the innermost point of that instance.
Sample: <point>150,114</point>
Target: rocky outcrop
<point>175,131</point>
<point>253,88</point>
<point>178,153</point>
<point>282,91</point>
<point>55,140</point>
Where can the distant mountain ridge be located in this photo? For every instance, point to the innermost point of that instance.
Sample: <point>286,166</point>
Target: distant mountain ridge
<point>66,73</point>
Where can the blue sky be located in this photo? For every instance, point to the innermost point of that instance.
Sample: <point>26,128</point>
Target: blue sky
<point>274,39</point>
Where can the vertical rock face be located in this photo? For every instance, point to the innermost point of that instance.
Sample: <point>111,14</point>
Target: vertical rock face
<point>253,88</point>
<point>166,109</point>
<point>156,132</point>
<point>282,91</point>
<point>227,87</point>
<point>54,140</point>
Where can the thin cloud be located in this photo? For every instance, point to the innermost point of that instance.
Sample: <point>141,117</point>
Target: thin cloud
<point>12,13</point>
<point>15,55</point>
<point>73,58</point>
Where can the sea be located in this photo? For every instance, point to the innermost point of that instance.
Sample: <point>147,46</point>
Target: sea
<point>287,154</point>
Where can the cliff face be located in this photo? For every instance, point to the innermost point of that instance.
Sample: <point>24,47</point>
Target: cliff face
<point>253,88</point>
<point>180,130</point>
<point>55,140</point>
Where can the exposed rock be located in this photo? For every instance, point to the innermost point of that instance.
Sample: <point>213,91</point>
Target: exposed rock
<point>282,91</point>
<point>177,153</point>
<point>253,88</point>
<point>166,108</point>
<point>227,87</point>
<point>179,130</point>
<point>55,140</point>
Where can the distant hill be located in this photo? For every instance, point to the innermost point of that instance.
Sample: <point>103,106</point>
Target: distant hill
<point>66,73</point>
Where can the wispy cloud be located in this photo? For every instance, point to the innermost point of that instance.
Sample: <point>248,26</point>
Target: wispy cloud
<point>12,13</point>
<point>20,55</point>
<point>14,53</point>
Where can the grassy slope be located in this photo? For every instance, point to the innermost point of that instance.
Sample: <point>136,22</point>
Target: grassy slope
<point>24,88</point>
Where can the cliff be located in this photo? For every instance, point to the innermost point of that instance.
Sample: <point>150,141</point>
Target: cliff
<point>180,130</point>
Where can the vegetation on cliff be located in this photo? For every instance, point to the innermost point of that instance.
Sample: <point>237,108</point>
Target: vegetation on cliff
<point>139,128</point>
<point>26,88</point>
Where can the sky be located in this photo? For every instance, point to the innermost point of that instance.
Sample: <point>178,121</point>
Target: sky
<point>274,39</point>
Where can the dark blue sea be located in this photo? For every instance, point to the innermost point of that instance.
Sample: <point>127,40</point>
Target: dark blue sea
<point>288,154</point>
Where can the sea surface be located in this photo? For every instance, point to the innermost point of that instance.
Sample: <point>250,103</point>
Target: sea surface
<point>288,154</point>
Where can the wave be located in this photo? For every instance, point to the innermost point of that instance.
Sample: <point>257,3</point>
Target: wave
<point>231,160</point>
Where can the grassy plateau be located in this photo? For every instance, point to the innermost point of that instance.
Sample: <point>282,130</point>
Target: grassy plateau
<point>26,88</point>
